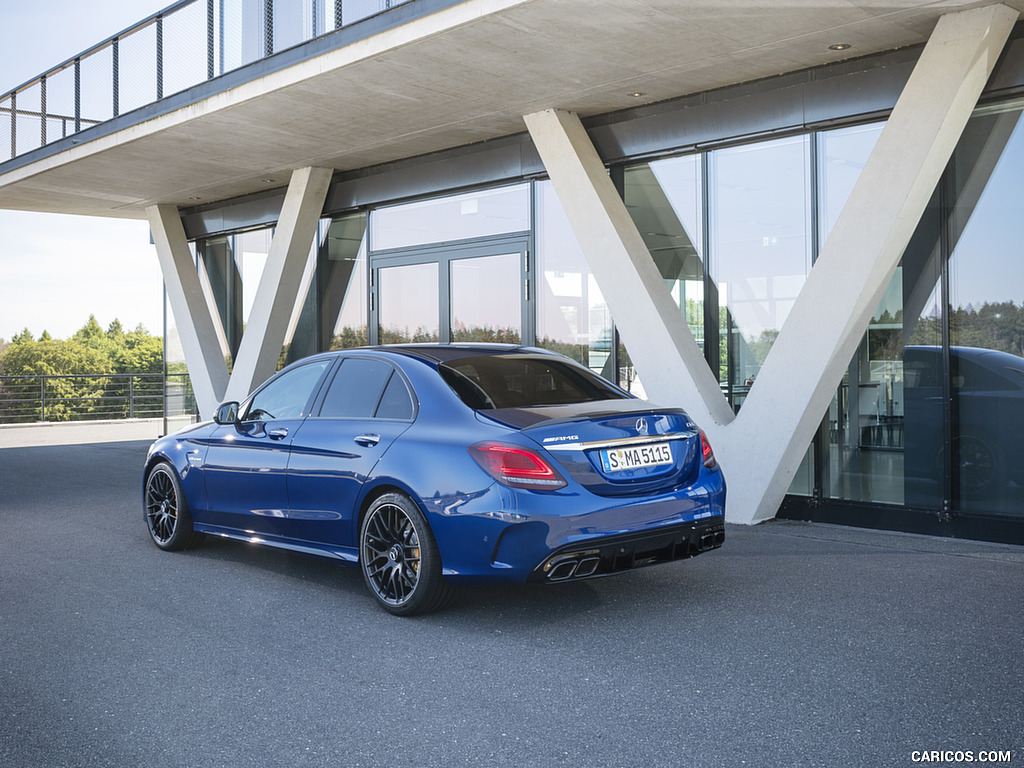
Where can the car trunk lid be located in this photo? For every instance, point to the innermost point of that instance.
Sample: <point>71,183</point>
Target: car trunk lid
<point>613,447</point>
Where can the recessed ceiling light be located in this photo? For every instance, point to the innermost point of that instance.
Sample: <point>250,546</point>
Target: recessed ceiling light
<point>839,47</point>
<point>637,94</point>
<point>195,198</point>
<point>267,181</point>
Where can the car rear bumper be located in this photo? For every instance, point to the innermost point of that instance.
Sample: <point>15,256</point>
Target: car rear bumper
<point>607,555</point>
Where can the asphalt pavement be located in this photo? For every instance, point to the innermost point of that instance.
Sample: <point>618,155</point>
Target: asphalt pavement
<point>793,645</point>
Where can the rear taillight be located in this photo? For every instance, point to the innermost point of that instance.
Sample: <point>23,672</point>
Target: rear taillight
<point>709,456</point>
<point>517,467</point>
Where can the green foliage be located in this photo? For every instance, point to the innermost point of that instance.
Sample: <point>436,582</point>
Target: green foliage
<point>998,326</point>
<point>24,336</point>
<point>90,352</point>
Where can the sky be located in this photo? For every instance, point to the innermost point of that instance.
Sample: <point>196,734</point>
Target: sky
<point>55,270</point>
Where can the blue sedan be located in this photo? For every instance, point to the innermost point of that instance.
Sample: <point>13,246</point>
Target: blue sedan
<point>432,466</point>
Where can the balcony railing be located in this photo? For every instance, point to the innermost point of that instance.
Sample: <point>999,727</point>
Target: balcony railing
<point>182,46</point>
<point>30,399</point>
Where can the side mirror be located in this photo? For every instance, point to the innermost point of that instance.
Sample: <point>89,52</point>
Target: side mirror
<point>227,414</point>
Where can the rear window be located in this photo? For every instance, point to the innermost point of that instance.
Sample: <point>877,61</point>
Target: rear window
<point>521,381</point>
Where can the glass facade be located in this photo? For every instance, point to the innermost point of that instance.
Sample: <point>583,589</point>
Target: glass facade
<point>923,418</point>
<point>929,409</point>
<point>572,317</point>
<point>761,249</point>
<point>230,268</point>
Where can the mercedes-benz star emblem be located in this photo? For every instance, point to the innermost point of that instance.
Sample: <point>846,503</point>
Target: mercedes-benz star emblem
<point>641,426</point>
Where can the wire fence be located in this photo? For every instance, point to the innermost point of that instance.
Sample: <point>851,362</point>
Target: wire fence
<point>31,399</point>
<point>181,46</point>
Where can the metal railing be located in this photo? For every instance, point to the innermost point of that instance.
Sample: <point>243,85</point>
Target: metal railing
<point>88,397</point>
<point>181,46</point>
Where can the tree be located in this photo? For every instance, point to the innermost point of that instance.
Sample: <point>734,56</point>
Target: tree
<point>90,334</point>
<point>138,352</point>
<point>115,331</point>
<point>24,336</point>
<point>91,353</point>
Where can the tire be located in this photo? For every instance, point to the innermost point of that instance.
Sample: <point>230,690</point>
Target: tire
<point>166,510</point>
<point>981,467</point>
<point>399,558</point>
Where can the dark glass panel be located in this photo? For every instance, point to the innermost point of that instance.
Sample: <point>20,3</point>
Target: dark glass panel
<point>356,389</point>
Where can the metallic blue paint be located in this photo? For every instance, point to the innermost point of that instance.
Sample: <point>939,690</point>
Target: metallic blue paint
<point>305,489</point>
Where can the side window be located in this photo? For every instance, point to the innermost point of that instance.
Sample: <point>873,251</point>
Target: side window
<point>287,396</point>
<point>361,389</point>
<point>396,403</point>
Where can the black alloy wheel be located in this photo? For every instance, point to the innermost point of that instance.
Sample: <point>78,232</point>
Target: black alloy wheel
<point>979,466</point>
<point>167,515</point>
<point>399,558</point>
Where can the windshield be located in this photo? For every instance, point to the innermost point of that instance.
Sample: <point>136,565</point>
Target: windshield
<point>524,381</point>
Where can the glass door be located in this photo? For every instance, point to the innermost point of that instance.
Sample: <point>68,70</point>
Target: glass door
<point>470,293</point>
<point>408,303</point>
<point>486,300</point>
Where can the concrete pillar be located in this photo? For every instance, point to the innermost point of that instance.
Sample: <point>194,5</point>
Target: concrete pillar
<point>197,327</point>
<point>267,325</point>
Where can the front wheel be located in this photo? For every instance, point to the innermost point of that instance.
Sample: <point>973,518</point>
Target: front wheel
<point>399,558</point>
<point>167,515</point>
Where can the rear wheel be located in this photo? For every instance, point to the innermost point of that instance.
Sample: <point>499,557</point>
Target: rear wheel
<point>167,515</point>
<point>399,558</point>
<point>980,466</point>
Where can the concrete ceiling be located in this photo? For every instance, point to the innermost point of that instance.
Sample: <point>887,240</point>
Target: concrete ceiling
<point>461,75</point>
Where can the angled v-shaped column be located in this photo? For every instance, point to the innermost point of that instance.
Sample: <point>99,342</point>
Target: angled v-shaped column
<point>832,312</point>
<point>761,449</point>
<point>265,329</point>
<point>278,290</point>
<point>197,327</point>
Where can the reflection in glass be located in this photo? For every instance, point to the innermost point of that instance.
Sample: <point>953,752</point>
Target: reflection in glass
<point>862,457</point>
<point>485,299</point>
<point>941,423</point>
<point>762,247</point>
<point>986,315</point>
<point>230,268</point>
<point>664,200</point>
<point>841,157</point>
<point>333,294</point>
<point>222,284</point>
<point>459,217</point>
<point>343,288</point>
<point>409,304</point>
<point>572,317</point>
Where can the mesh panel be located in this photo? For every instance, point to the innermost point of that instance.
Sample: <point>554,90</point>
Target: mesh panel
<point>28,119</point>
<point>185,48</point>
<point>137,69</point>
<point>97,86</point>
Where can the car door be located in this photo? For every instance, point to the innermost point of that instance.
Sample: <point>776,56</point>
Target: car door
<point>245,466</point>
<point>368,404</point>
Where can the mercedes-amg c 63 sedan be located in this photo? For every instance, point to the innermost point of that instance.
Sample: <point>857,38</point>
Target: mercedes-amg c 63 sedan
<point>431,466</point>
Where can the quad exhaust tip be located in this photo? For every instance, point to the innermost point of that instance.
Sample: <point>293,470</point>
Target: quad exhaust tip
<point>712,540</point>
<point>574,567</point>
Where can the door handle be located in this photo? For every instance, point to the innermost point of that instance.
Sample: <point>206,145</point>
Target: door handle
<point>278,434</point>
<point>368,439</point>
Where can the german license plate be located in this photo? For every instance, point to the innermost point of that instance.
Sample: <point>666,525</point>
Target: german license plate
<point>636,457</point>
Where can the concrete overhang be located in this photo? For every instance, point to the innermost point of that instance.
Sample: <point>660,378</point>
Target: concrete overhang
<point>454,74</point>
